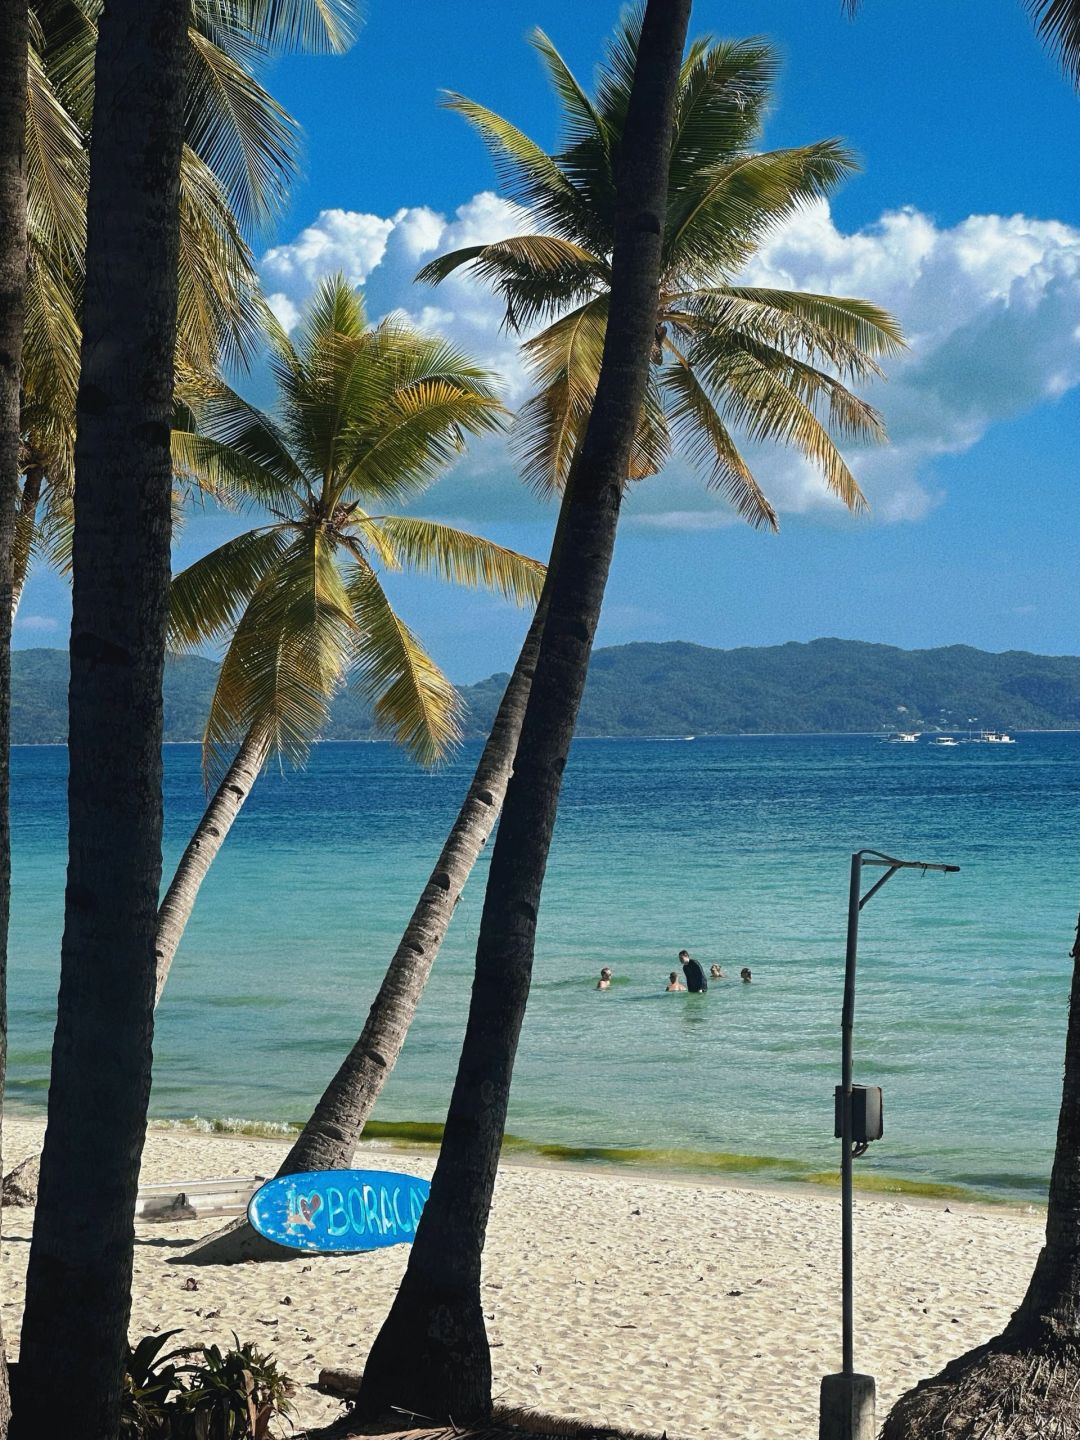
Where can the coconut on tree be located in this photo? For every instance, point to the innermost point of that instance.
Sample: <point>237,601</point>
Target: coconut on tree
<point>367,417</point>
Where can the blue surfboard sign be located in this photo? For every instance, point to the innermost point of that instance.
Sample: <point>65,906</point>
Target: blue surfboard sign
<point>333,1211</point>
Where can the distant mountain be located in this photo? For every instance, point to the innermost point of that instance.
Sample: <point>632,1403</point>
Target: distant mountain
<point>680,689</point>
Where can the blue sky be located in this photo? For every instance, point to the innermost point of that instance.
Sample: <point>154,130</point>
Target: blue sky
<point>965,221</point>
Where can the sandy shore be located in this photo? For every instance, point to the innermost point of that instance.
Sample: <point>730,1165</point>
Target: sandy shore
<point>695,1308</point>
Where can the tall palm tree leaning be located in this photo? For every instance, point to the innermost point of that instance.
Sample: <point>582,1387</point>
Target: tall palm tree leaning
<point>724,354</point>
<point>14,51</point>
<point>431,1355</point>
<point>78,1287</point>
<point>368,417</point>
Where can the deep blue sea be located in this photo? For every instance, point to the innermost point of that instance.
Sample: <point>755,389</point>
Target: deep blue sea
<point>735,848</point>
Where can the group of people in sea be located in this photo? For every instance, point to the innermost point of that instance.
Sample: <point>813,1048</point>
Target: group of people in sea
<point>696,983</point>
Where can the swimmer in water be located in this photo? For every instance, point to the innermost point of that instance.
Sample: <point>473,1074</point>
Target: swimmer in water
<point>744,975</point>
<point>673,983</point>
<point>695,975</point>
<point>715,972</point>
<point>604,983</point>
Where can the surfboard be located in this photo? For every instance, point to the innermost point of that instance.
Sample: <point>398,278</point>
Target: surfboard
<point>333,1211</point>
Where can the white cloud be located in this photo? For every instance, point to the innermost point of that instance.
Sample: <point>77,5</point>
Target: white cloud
<point>991,309</point>
<point>41,623</point>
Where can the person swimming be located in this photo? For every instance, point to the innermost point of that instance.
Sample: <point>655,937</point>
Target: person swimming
<point>695,975</point>
<point>673,983</point>
<point>604,983</point>
<point>744,975</point>
<point>715,973</point>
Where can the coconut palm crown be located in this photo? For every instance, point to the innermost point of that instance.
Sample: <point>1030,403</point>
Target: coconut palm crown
<point>769,363</point>
<point>241,150</point>
<point>368,416</point>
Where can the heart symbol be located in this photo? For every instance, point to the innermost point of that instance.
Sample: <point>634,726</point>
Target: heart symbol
<point>309,1204</point>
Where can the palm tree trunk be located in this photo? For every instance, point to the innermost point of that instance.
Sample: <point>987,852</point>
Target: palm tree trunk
<point>14,40</point>
<point>431,1356</point>
<point>78,1288</point>
<point>202,849</point>
<point>1024,1382</point>
<point>329,1139</point>
<point>25,520</point>
<point>1051,1307</point>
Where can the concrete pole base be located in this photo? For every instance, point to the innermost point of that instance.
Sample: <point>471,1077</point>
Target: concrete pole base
<point>847,1408</point>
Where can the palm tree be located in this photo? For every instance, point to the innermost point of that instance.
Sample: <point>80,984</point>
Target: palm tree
<point>726,356</point>
<point>431,1355</point>
<point>1023,1384</point>
<point>241,150</point>
<point>368,417</point>
<point>14,49</point>
<point>79,1277</point>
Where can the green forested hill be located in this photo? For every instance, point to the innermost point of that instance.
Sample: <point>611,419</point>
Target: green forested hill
<point>680,689</point>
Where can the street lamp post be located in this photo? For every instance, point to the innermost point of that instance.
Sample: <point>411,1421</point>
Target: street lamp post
<point>847,1399</point>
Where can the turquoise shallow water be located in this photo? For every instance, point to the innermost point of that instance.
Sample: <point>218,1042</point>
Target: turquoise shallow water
<point>736,848</point>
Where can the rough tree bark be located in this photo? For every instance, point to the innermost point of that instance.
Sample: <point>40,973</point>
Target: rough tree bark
<point>329,1139</point>
<point>79,1279</point>
<point>14,40</point>
<point>1025,1383</point>
<point>431,1356</point>
<point>202,849</point>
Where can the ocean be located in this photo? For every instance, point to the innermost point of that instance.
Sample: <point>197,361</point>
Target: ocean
<point>736,848</point>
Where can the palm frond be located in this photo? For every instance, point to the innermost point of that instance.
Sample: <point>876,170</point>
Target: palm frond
<point>429,547</point>
<point>580,118</point>
<point>238,450</point>
<point>708,444</point>
<point>206,599</point>
<point>535,275</point>
<point>1058,23</point>
<point>287,658</point>
<point>411,695</point>
<point>724,88</point>
<point>220,312</point>
<point>317,27</point>
<point>56,171</point>
<point>771,398</point>
<point>241,132</point>
<point>527,174</point>
<point>714,226</point>
<point>565,361</point>
<point>842,332</point>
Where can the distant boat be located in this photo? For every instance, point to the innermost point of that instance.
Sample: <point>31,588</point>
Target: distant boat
<point>993,737</point>
<point>944,740</point>
<point>901,737</point>
<point>689,737</point>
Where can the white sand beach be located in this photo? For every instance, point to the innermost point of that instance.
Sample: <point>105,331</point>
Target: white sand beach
<point>694,1308</point>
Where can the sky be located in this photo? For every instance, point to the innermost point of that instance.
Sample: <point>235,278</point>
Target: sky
<point>964,221</point>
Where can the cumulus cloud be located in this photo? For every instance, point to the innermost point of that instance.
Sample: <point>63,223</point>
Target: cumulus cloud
<point>990,307</point>
<point>39,623</point>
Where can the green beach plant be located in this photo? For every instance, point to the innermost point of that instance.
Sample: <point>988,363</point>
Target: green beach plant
<point>368,416</point>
